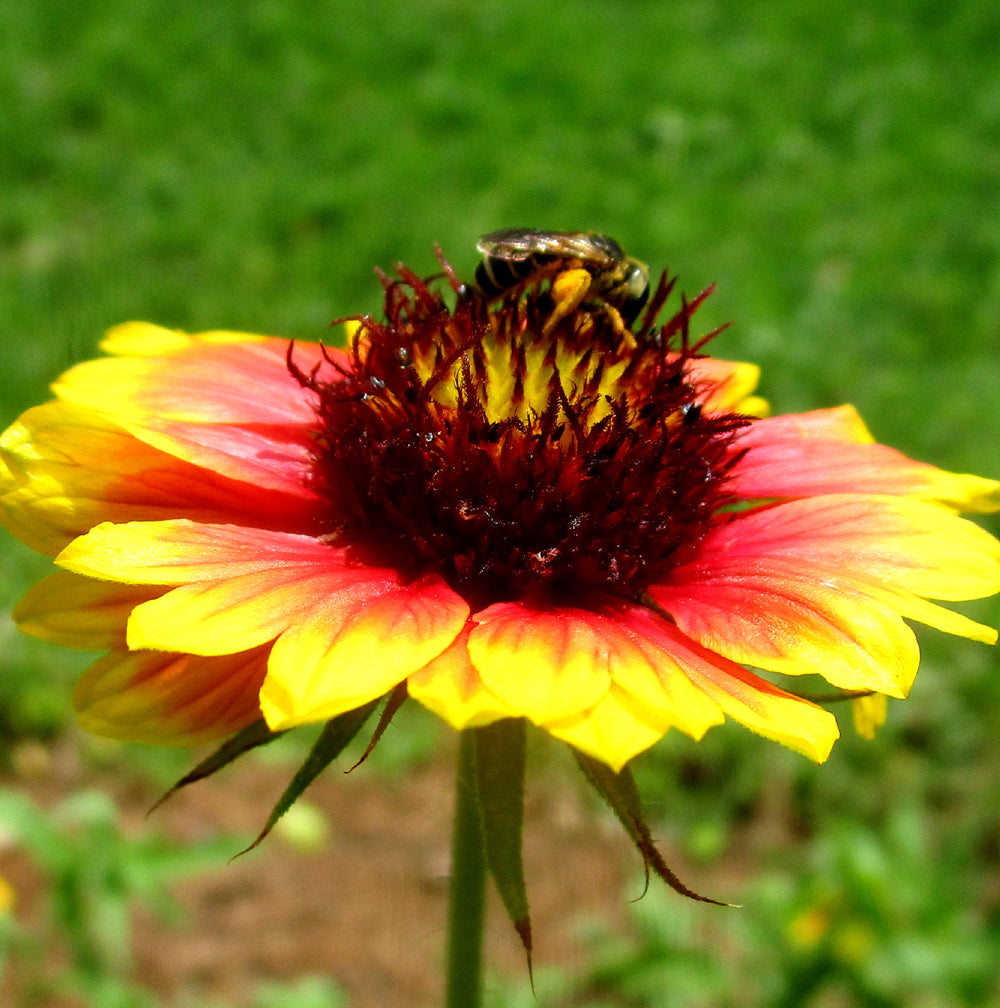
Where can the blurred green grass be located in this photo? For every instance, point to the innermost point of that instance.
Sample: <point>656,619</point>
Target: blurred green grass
<point>834,167</point>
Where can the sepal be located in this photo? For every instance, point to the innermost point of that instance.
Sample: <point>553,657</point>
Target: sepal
<point>250,737</point>
<point>500,760</point>
<point>622,796</point>
<point>337,733</point>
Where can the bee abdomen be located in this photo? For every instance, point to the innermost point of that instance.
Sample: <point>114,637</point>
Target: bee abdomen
<point>496,274</point>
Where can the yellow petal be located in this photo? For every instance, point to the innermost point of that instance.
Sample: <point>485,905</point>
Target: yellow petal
<point>613,731</point>
<point>666,681</point>
<point>726,385</point>
<point>182,551</point>
<point>169,699</point>
<point>726,687</point>
<point>869,714</point>
<point>545,663</point>
<point>342,657</point>
<point>79,612</point>
<point>913,608</point>
<point>204,381</point>
<point>221,617</point>
<point>143,339</point>
<point>830,451</point>
<point>768,711</point>
<point>451,687</point>
<point>64,469</point>
<point>787,622</point>
<point>822,585</point>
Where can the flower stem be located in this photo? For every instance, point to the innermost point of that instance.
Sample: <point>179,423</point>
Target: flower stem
<point>468,885</point>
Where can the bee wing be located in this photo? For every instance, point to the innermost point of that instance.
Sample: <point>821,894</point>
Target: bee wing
<point>511,243</point>
<point>517,244</point>
<point>589,248</point>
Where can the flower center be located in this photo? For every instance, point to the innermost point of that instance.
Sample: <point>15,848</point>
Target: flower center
<point>515,449</point>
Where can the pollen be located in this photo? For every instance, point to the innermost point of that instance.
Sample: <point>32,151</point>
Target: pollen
<point>516,448</point>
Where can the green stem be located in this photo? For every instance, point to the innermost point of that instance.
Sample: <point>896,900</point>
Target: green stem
<point>468,885</point>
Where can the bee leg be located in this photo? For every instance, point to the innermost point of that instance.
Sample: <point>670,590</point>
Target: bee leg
<point>621,330</point>
<point>569,288</point>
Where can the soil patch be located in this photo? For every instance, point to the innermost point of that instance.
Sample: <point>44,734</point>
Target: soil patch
<point>366,906</point>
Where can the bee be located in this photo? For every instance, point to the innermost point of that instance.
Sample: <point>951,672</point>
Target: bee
<point>597,272</point>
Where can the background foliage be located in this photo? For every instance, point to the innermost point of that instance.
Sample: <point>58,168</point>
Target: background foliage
<point>834,167</point>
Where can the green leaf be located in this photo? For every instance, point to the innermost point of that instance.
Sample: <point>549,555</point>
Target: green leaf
<point>622,795</point>
<point>334,738</point>
<point>500,779</point>
<point>254,735</point>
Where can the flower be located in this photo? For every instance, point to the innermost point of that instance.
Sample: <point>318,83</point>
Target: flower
<point>506,508</point>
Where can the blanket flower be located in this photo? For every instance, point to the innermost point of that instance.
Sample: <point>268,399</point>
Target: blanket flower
<point>501,509</point>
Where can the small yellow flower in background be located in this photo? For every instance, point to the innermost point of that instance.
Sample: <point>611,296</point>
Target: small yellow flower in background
<point>869,714</point>
<point>7,898</point>
<point>590,533</point>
